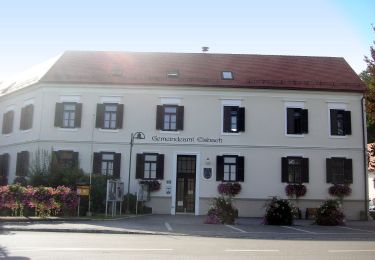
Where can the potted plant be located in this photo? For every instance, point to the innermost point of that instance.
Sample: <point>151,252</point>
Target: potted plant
<point>153,185</point>
<point>296,190</point>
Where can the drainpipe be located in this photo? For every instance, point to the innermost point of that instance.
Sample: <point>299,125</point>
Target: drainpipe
<point>364,141</point>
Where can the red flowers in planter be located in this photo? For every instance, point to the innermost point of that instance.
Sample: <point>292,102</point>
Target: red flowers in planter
<point>153,185</point>
<point>340,190</point>
<point>229,188</point>
<point>297,190</point>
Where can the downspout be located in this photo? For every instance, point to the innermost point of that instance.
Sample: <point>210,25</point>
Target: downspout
<point>364,141</point>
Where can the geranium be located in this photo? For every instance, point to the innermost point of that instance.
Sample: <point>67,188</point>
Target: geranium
<point>153,185</point>
<point>330,214</point>
<point>340,190</point>
<point>279,212</point>
<point>221,211</point>
<point>229,188</point>
<point>297,190</point>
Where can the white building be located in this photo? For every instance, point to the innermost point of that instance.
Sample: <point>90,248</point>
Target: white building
<point>259,120</point>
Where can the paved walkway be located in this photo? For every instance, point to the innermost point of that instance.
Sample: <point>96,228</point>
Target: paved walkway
<point>194,225</point>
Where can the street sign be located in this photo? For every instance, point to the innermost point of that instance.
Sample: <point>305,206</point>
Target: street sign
<point>83,190</point>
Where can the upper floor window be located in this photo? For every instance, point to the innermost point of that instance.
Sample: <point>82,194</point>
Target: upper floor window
<point>297,121</point>
<point>150,166</point>
<point>66,159</point>
<point>339,170</point>
<point>27,117</point>
<point>294,169</point>
<point>8,122</point>
<point>234,119</point>
<point>4,169</point>
<point>107,164</point>
<point>109,116</point>
<point>170,117</point>
<point>22,167</point>
<point>230,168</point>
<point>227,75</point>
<point>68,115</point>
<point>340,122</point>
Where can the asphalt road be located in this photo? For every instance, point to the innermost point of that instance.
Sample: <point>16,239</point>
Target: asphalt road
<point>49,245</point>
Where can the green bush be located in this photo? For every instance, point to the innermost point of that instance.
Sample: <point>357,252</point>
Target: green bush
<point>222,211</point>
<point>330,214</point>
<point>279,212</point>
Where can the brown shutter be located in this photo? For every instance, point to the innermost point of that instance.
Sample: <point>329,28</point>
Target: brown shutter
<point>226,120</point>
<point>139,174</point>
<point>160,167</point>
<point>8,122</point>
<point>117,165</point>
<point>159,117</point>
<point>290,120</point>
<point>59,110</point>
<point>305,170</point>
<point>19,164</point>
<point>348,171</point>
<point>333,119</point>
<point>180,118</point>
<point>22,163</point>
<point>284,169</point>
<point>119,116</point>
<point>30,116</point>
<point>219,168</point>
<point>75,162</point>
<point>23,118</point>
<point>347,123</point>
<point>5,166</point>
<point>97,163</point>
<point>240,169</point>
<point>329,165</point>
<point>241,119</point>
<point>99,116</point>
<point>305,121</point>
<point>3,173</point>
<point>78,115</point>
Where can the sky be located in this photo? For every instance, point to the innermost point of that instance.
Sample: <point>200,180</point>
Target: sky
<point>34,31</point>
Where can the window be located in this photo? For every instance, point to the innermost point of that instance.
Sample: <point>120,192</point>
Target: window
<point>4,169</point>
<point>294,169</point>
<point>8,122</point>
<point>339,170</point>
<point>150,166</point>
<point>173,74</point>
<point>169,117</point>
<point>22,166</point>
<point>109,116</point>
<point>230,168</point>
<point>107,164</point>
<point>66,159</point>
<point>27,117</point>
<point>297,121</point>
<point>68,115</point>
<point>340,122</point>
<point>228,75</point>
<point>234,119</point>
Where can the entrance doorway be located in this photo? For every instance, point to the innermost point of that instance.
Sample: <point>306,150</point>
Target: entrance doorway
<point>185,183</point>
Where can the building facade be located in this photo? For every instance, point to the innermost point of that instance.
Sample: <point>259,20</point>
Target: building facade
<point>262,121</point>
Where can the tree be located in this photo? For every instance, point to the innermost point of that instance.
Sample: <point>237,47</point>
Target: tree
<point>368,77</point>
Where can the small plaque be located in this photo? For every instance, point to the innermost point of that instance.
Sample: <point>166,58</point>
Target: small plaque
<point>207,173</point>
<point>180,203</point>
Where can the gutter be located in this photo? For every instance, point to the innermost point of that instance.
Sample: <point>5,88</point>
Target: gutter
<point>364,142</point>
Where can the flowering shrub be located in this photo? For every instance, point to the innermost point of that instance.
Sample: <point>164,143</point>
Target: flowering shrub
<point>221,211</point>
<point>330,214</point>
<point>279,212</point>
<point>297,190</point>
<point>229,188</point>
<point>45,200</point>
<point>340,190</point>
<point>153,185</point>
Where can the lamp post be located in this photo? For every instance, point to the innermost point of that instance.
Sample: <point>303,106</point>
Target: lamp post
<point>136,135</point>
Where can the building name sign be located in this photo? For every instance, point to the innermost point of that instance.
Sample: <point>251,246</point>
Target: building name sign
<point>199,139</point>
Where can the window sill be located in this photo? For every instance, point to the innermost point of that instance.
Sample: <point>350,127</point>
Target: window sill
<point>68,129</point>
<point>7,135</point>
<point>26,131</point>
<point>228,133</point>
<point>169,132</point>
<point>109,130</point>
<point>338,136</point>
<point>295,135</point>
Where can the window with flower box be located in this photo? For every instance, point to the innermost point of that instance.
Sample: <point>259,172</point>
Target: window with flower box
<point>230,168</point>
<point>339,170</point>
<point>150,166</point>
<point>294,169</point>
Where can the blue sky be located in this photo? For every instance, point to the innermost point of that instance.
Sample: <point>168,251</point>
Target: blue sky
<point>34,31</point>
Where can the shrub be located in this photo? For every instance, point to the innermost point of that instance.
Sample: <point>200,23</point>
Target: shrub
<point>330,214</point>
<point>297,190</point>
<point>221,211</point>
<point>229,188</point>
<point>279,212</point>
<point>340,190</point>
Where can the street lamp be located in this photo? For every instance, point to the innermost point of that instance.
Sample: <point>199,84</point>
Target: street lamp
<point>136,135</point>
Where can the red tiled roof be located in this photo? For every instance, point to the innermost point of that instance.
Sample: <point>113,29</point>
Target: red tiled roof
<point>204,69</point>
